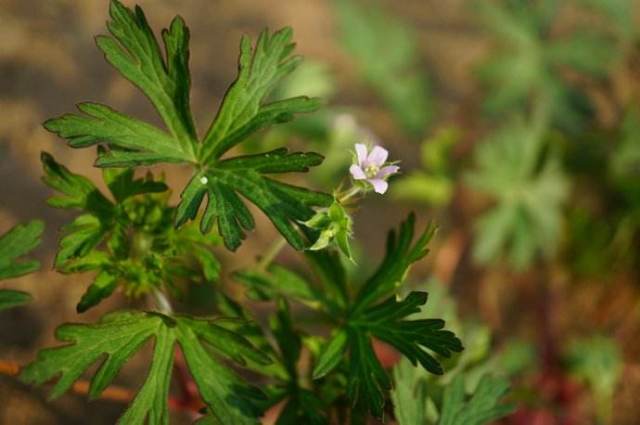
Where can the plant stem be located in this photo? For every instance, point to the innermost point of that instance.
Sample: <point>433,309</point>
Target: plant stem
<point>349,194</point>
<point>162,302</point>
<point>277,245</point>
<point>272,253</point>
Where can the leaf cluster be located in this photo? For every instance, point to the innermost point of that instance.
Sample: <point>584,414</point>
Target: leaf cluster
<point>126,238</point>
<point>371,313</point>
<point>134,51</point>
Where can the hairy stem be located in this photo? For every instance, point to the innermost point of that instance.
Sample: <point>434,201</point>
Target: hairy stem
<point>162,302</point>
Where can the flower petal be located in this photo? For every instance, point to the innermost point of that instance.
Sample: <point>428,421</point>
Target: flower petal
<point>379,185</point>
<point>378,156</point>
<point>357,172</point>
<point>361,152</point>
<point>387,171</point>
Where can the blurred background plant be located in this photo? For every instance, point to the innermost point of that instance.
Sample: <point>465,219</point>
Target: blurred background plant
<point>518,126</point>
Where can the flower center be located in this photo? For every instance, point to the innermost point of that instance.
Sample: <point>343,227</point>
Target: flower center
<point>371,170</point>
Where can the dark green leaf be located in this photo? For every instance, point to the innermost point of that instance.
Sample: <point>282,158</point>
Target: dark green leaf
<point>101,288</point>
<point>76,191</point>
<point>278,280</point>
<point>284,204</point>
<point>101,124</point>
<point>397,261</point>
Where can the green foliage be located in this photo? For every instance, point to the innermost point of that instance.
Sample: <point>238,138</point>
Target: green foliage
<point>482,407</point>
<point>529,189</point>
<point>368,34</point>
<point>334,226</point>
<point>302,405</point>
<point>119,335</point>
<point>376,313</point>
<point>134,51</point>
<point>373,312</point>
<point>16,243</point>
<point>388,322</point>
<point>528,63</point>
<point>419,397</point>
<point>129,241</point>
<point>434,183</point>
<point>597,361</point>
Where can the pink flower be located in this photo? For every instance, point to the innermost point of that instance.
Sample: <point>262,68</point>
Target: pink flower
<point>371,167</point>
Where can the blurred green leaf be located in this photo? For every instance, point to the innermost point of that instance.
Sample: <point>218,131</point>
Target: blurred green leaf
<point>598,362</point>
<point>529,190</point>
<point>434,182</point>
<point>527,64</point>
<point>483,407</point>
<point>368,34</point>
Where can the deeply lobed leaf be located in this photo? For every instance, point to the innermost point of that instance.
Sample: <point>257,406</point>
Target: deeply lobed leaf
<point>119,335</point>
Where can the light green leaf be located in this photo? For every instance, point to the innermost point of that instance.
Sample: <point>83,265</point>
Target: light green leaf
<point>483,407</point>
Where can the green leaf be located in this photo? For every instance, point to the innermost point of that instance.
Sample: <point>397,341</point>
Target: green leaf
<point>302,405</point>
<point>19,241</point>
<point>101,288</point>
<point>123,185</point>
<point>409,395</point>
<point>243,109</point>
<point>331,354</point>
<point>370,33</point>
<point>529,63</point>
<point>10,298</point>
<point>79,237</point>
<point>334,226</point>
<point>133,50</point>
<point>133,242</point>
<point>397,261</point>
<point>529,190</point>
<point>387,322</point>
<point>483,407</point>
<point>119,335</point>
<point>285,205</point>
<point>101,124</point>
<point>76,191</point>
<point>278,280</point>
